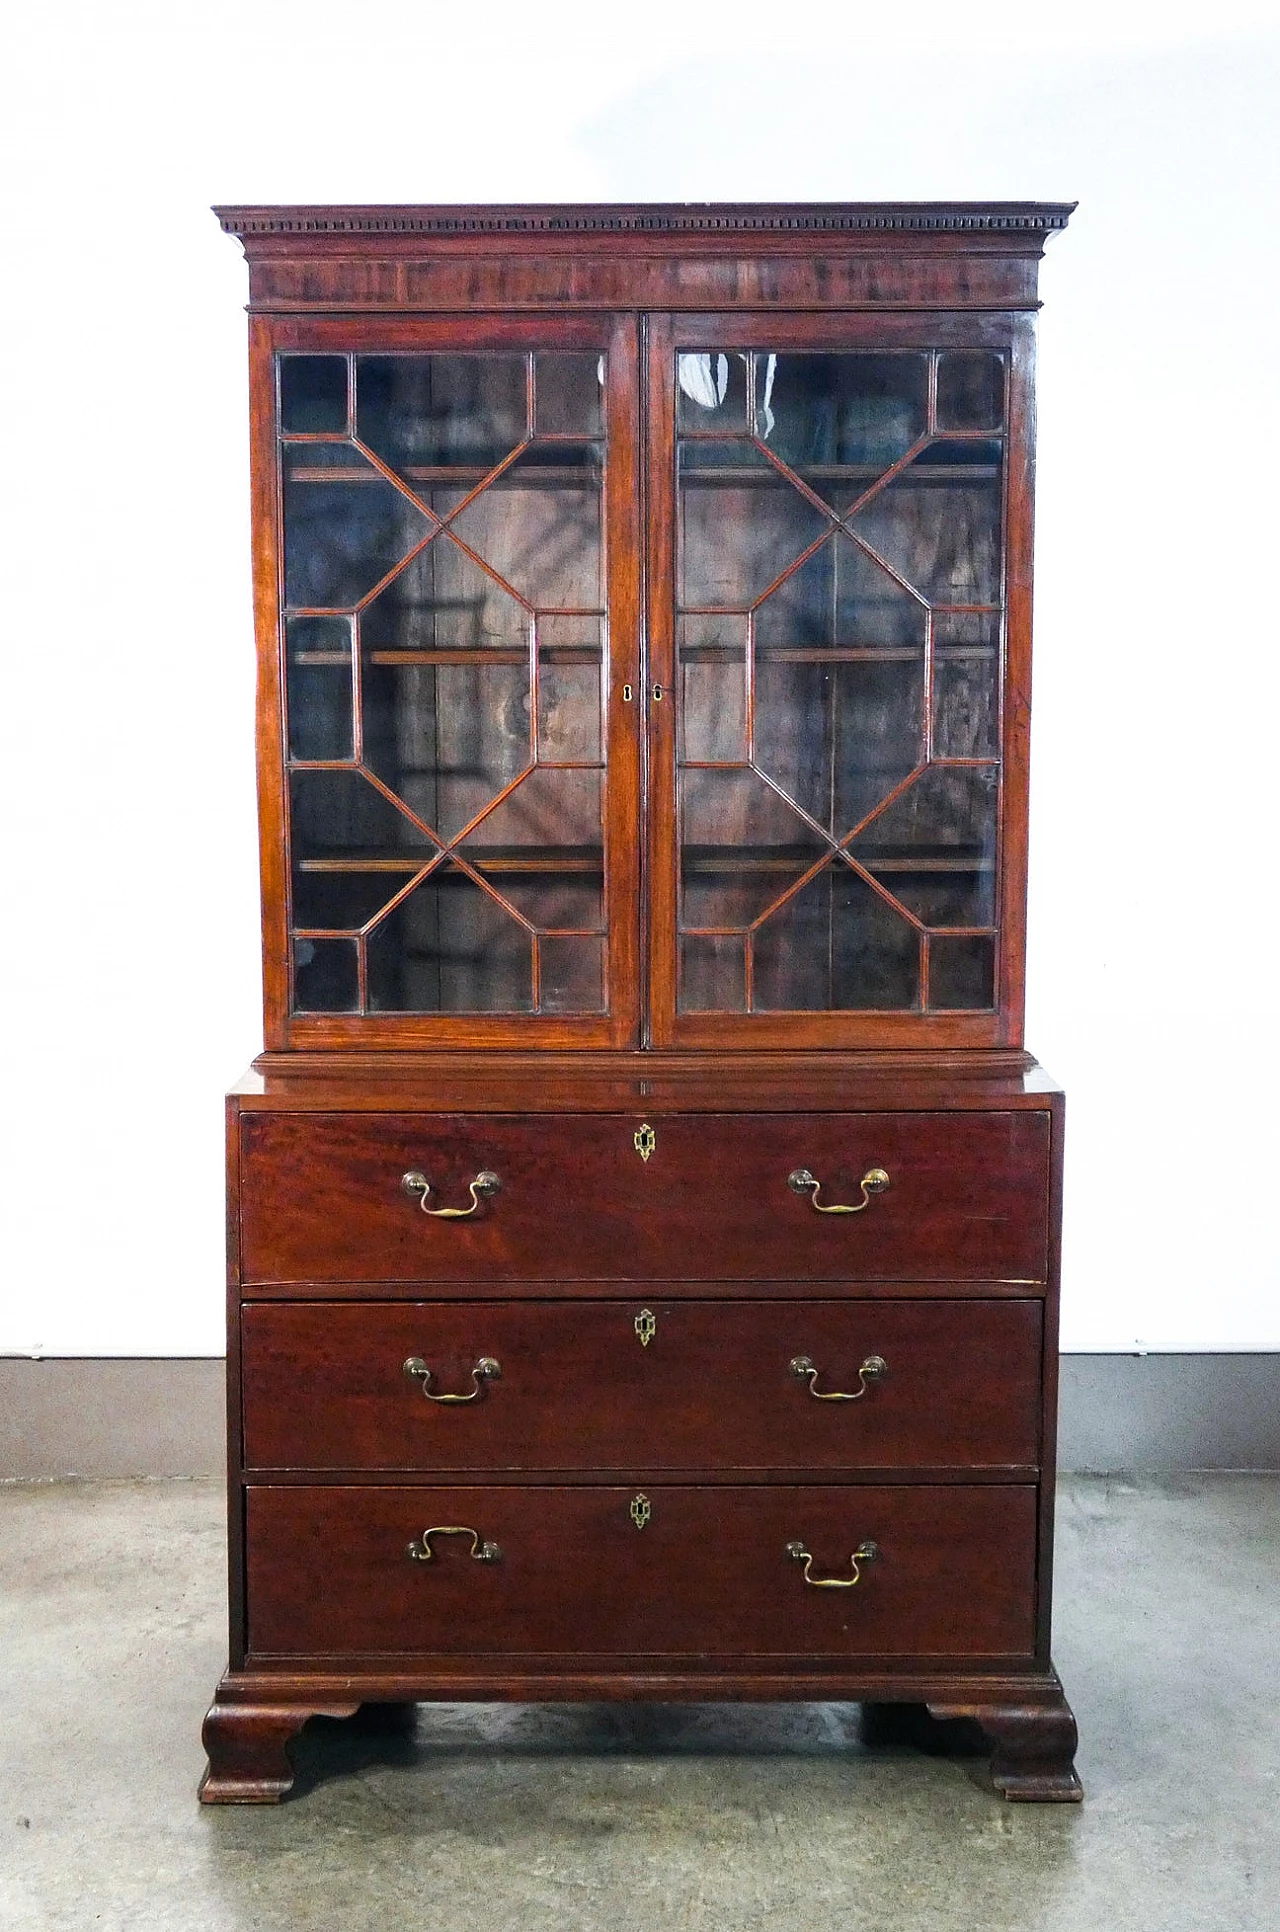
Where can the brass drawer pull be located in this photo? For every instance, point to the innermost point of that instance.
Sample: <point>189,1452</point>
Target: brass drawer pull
<point>485,1370</point>
<point>801,1181</point>
<point>865,1553</point>
<point>874,1369</point>
<point>483,1552</point>
<point>418,1186</point>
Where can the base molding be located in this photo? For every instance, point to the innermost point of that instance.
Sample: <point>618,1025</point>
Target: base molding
<point>256,1716</point>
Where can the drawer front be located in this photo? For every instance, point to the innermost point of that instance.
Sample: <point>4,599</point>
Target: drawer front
<point>628,1385</point>
<point>709,1573</point>
<point>322,1197</point>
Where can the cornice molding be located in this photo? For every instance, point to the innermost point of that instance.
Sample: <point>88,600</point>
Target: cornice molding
<point>926,218</point>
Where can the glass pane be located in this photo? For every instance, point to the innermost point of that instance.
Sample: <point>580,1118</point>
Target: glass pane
<point>343,894</point>
<point>966,684</point>
<point>840,419</point>
<point>318,656</point>
<point>741,526</point>
<point>970,390</point>
<point>449,948</point>
<point>568,711</point>
<point>542,848</point>
<point>741,847</point>
<point>934,847</point>
<point>837,737</point>
<point>962,973</point>
<point>572,975</point>
<point>840,599</point>
<point>713,974</point>
<point>446,738</point>
<point>326,977</point>
<point>345,526</point>
<point>712,699</point>
<point>938,523</point>
<point>352,850</point>
<point>313,395</point>
<point>339,813</point>
<point>547,808</point>
<point>538,527</point>
<point>835,946</point>
<point>442,601</point>
<point>569,395</point>
<point>422,414</point>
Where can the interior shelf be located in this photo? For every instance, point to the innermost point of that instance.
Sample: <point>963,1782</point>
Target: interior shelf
<point>835,653</point>
<point>704,859</point>
<point>558,859</point>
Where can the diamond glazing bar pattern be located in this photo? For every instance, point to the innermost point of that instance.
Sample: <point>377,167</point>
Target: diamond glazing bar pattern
<point>443,613</point>
<point>840,631</point>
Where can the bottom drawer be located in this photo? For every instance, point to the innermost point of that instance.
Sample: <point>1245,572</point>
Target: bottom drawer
<point>672,1571</point>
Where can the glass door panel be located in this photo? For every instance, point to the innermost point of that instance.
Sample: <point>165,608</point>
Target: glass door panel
<point>837,633</point>
<point>446,625</point>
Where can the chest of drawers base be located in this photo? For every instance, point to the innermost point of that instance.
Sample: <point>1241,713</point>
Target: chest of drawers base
<point>640,1418</point>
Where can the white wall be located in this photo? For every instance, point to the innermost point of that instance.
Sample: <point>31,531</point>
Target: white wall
<point>129,889</point>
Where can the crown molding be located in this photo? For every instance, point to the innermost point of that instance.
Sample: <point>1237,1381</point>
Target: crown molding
<point>897,217</point>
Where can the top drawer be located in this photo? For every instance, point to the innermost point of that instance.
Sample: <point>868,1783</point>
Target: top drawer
<point>322,1197</point>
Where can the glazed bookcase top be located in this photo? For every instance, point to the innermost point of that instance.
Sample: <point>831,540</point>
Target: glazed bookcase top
<point>643,601</point>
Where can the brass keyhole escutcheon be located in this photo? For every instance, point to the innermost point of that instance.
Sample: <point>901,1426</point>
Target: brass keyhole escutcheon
<point>645,1140</point>
<point>641,1510</point>
<point>646,1326</point>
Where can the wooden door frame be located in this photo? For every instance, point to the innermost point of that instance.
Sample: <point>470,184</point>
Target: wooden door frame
<point>667,333</point>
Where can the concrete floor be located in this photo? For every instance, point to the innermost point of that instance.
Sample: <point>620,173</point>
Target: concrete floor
<point>583,1817</point>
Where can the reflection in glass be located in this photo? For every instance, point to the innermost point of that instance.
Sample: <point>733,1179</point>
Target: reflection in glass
<point>711,392</point>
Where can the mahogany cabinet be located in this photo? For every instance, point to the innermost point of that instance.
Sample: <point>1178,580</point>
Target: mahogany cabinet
<point>644,1218</point>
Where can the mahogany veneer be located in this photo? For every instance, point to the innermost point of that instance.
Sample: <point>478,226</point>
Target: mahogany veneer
<point>643,611</point>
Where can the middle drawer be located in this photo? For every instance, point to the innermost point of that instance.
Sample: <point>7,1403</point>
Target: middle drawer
<point>657,1384</point>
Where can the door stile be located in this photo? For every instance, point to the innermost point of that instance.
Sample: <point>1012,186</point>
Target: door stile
<point>663,842</point>
<point>623,669</point>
